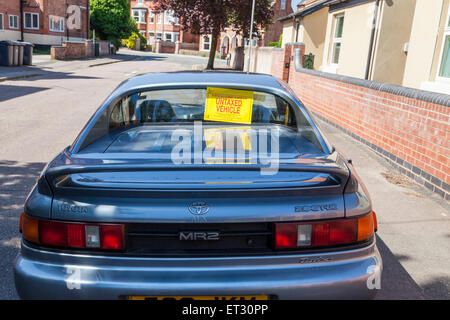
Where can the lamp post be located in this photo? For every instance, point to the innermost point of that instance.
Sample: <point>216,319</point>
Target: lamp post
<point>251,37</point>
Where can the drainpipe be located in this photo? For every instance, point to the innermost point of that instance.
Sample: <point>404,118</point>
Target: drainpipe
<point>372,39</point>
<point>65,22</point>
<point>297,25</point>
<point>21,20</point>
<point>88,27</point>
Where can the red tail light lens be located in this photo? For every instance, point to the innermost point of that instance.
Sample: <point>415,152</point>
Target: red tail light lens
<point>344,231</point>
<point>111,237</point>
<point>53,233</point>
<point>76,235</point>
<point>324,233</point>
<point>321,234</point>
<point>72,235</point>
<point>286,235</point>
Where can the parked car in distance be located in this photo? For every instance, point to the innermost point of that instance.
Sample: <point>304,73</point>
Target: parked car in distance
<point>199,185</point>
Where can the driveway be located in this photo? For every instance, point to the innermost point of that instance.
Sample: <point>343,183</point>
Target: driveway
<point>41,115</point>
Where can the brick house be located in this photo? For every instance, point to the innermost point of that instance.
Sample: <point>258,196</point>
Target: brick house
<point>230,37</point>
<point>155,25</point>
<point>44,22</point>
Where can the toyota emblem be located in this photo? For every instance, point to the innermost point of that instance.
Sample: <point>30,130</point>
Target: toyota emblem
<point>199,208</point>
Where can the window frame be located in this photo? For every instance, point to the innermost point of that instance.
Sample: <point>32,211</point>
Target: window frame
<point>151,16</point>
<point>25,20</point>
<point>446,34</point>
<point>159,18</point>
<point>209,42</point>
<point>51,22</point>
<point>254,42</point>
<point>141,16</point>
<point>151,37</point>
<point>2,21</point>
<point>169,18</point>
<point>17,21</point>
<point>335,40</point>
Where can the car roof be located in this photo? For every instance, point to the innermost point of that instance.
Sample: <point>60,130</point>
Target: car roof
<point>202,77</point>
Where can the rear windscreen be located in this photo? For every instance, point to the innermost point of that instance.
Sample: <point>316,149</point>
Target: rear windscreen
<point>210,106</point>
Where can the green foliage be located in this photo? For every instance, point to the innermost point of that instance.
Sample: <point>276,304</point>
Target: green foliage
<point>308,62</point>
<point>130,43</point>
<point>111,20</point>
<point>277,44</point>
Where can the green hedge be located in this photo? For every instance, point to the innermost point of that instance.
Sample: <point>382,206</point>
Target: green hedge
<point>131,41</point>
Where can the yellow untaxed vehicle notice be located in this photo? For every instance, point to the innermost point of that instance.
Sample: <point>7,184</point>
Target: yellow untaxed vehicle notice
<point>227,105</point>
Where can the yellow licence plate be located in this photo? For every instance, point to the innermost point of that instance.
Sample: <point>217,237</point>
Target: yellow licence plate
<point>218,298</point>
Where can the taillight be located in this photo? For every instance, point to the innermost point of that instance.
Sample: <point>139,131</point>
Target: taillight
<point>111,237</point>
<point>290,235</point>
<point>73,235</point>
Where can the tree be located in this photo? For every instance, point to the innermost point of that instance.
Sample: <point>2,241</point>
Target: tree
<point>212,16</point>
<point>111,20</point>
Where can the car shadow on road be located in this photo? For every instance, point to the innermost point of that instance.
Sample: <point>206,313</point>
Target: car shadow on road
<point>11,92</point>
<point>396,283</point>
<point>16,181</point>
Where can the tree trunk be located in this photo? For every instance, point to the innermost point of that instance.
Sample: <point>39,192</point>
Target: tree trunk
<point>212,50</point>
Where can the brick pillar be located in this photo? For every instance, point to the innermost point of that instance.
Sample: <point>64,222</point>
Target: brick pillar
<point>158,46</point>
<point>177,47</point>
<point>89,44</point>
<point>289,57</point>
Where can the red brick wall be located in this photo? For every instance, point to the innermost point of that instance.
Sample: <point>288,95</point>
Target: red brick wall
<point>281,60</point>
<point>45,8</point>
<point>10,7</point>
<point>412,130</point>
<point>69,50</point>
<point>274,31</point>
<point>156,27</point>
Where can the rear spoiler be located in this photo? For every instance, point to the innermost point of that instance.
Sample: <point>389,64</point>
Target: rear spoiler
<point>60,178</point>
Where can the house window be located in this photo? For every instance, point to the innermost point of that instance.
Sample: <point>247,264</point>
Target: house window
<point>151,37</point>
<point>31,20</point>
<point>254,42</point>
<point>169,18</point>
<point>167,37</point>
<point>56,23</point>
<point>159,36</point>
<point>13,22</point>
<point>1,21</point>
<point>159,17</point>
<point>152,17</point>
<point>444,61</point>
<point>283,5</point>
<point>206,43</point>
<point>139,16</point>
<point>337,39</point>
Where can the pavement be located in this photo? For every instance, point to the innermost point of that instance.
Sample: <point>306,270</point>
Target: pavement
<point>41,115</point>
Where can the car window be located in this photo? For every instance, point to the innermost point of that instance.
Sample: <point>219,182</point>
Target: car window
<point>184,106</point>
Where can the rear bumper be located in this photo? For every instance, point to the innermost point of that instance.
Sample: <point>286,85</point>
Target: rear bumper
<point>344,275</point>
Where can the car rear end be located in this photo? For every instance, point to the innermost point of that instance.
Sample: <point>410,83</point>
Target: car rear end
<point>116,219</point>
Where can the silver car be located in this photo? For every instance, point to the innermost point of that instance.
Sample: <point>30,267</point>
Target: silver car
<point>199,185</point>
